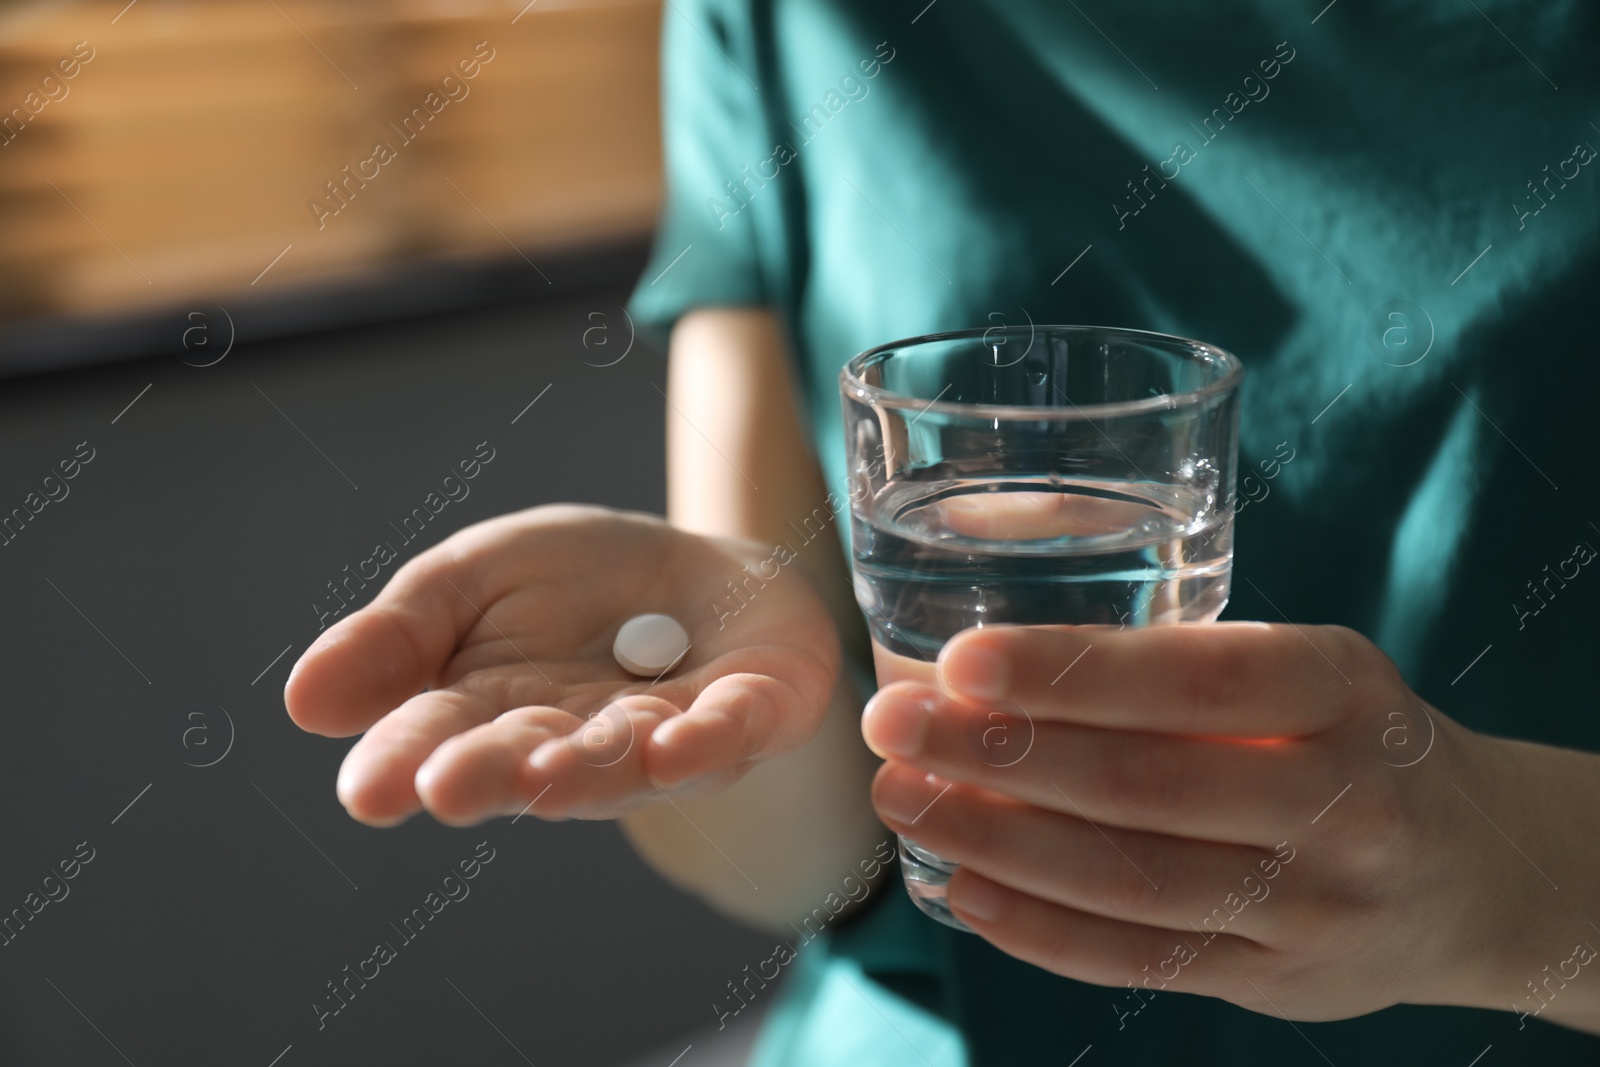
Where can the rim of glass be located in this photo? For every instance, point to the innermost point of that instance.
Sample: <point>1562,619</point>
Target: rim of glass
<point>1233,372</point>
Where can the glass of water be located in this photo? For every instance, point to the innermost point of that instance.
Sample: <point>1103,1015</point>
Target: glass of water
<point>1033,475</point>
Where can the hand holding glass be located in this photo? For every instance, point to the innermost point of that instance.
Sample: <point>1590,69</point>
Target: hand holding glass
<point>1034,475</point>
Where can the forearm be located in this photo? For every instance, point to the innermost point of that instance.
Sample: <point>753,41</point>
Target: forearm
<point>738,459</point>
<point>1548,961</point>
<point>774,845</point>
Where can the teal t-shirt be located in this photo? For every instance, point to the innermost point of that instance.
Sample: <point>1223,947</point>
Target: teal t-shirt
<point>1389,211</point>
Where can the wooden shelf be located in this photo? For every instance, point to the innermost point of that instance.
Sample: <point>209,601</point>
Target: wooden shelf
<point>184,156</point>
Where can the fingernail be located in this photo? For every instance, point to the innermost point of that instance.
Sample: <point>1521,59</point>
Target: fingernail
<point>542,757</point>
<point>977,897</point>
<point>965,510</point>
<point>896,724</point>
<point>905,796</point>
<point>666,732</point>
<point>977,670</point>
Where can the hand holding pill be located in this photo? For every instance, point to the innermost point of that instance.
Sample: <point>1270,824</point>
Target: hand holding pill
<point>571,657</point>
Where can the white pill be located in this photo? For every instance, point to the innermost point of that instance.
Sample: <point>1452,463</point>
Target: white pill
<point>648,644</point>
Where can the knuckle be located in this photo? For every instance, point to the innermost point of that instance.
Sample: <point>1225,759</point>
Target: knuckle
<point>400,635</point>
<point>1145,779</point>
<point>995,737</point>
<point>1365,664</point>
<point>1214,671</point>
<point>1255,977</point>
<point>1133,891</point>
<point>1353,648</point>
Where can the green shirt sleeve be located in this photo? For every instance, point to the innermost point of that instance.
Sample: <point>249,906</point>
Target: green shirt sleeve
<point>706,252</point>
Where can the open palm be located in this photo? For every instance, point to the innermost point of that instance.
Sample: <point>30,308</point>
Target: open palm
<point>483,676</point>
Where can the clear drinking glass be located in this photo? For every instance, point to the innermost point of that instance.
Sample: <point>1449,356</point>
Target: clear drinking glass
<point>1045,474</point>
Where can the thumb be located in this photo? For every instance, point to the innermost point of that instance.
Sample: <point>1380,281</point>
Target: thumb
<point>373,661</point>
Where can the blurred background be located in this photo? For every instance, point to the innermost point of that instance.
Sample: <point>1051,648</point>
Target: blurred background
<point>165,151</point>
<point>269,270</point>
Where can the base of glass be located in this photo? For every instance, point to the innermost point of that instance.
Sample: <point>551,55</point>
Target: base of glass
<point>926,876</point>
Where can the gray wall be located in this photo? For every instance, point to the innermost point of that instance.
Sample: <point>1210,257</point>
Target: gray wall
<point>156,594</point>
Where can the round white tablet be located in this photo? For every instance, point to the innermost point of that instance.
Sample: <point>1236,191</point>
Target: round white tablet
<point>648,644</point>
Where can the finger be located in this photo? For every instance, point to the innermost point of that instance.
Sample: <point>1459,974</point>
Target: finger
<point>1234,678</point>
<point>1030,516</point>
<point>734,716</point>
<point>1095,949</point>
<point>1208,789</point>
<point>599,769</point>
<point>484,772</point>
<point>377,781</point>
<point>373,660</point>
<point>740,718</point>
<point>1138,877</point>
